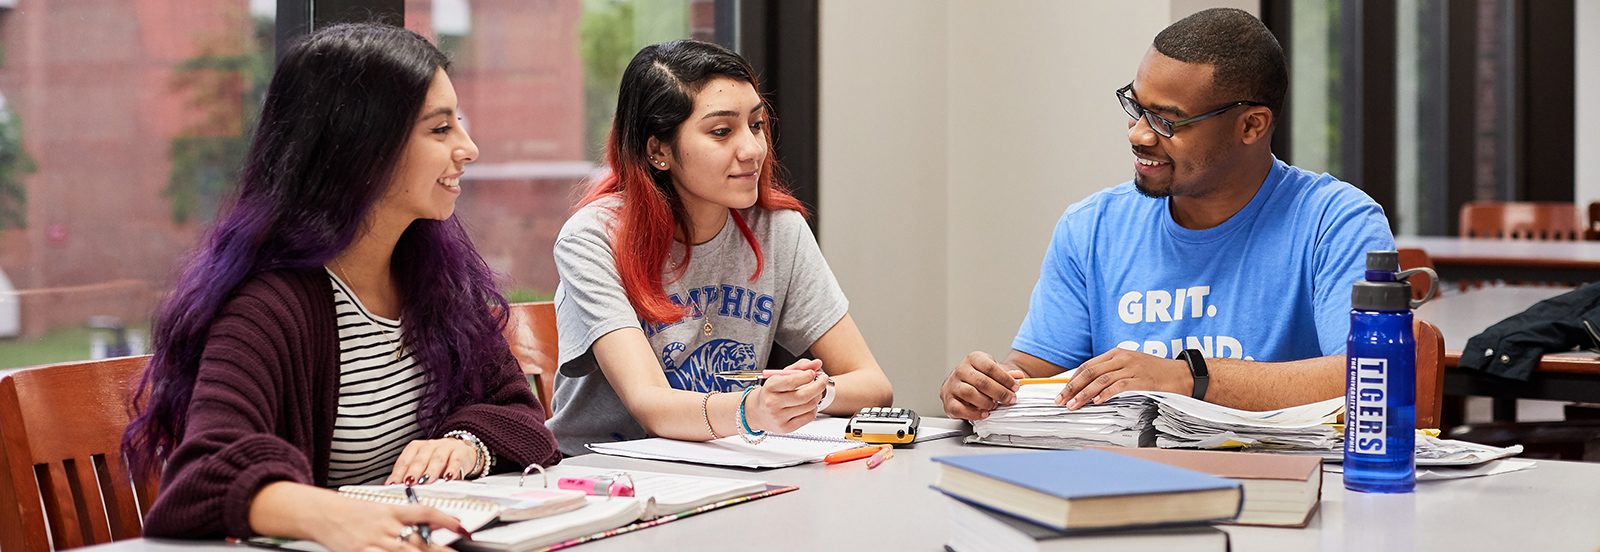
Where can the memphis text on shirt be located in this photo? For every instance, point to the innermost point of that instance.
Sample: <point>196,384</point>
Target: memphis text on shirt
<point>1159,305</point>
<point>727,301</point>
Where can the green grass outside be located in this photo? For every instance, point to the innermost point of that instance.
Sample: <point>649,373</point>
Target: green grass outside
<point>526,295</point>
<point>58,346</point>
<point>73,344</point>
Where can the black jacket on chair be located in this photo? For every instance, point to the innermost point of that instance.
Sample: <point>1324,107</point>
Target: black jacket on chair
<point>1511,348</point>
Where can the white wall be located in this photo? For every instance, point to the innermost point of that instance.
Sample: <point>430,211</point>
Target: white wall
<point>1587,82</point>
<point>882,154</point>
<point>953,135</point>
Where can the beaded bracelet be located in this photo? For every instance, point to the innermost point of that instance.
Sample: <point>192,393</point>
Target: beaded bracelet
<point>704,402</point>
<point>485,460</point>
<point>744,426</point>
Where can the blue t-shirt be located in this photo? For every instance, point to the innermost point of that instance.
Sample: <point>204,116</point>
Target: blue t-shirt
<point>1272,283</point>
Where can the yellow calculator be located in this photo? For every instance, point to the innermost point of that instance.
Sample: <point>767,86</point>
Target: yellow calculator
<point>880,425</point>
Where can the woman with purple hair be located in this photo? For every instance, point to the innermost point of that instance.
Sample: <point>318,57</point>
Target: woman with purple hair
<point>337,326</point>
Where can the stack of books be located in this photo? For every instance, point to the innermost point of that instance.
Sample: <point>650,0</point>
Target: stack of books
<point>976,529</point>
<point>1083,499</point>
<point>1279,490</point>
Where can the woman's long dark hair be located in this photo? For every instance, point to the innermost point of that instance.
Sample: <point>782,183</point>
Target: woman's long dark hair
<point>656,97</point>
<point>334,124</point>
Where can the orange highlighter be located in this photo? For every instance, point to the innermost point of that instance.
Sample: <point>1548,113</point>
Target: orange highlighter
<point>854,454</point>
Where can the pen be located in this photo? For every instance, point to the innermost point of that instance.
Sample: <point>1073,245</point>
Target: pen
<point>853,454</point>
<point>422,528</point>
<point>884,453</point>
<point>759,375</point>
<point>1031,381</point>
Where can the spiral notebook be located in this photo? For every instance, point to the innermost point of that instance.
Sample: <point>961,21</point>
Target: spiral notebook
<point>777,451</point>
<point>810,443</point>
<point>475,504</point>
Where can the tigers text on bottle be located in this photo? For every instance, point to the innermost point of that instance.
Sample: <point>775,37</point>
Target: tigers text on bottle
<point>1372,406</point>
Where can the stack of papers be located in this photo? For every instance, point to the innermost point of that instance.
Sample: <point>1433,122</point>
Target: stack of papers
<point>1187,422</point>
<point>1036,421</point>
<point>1169,420</point>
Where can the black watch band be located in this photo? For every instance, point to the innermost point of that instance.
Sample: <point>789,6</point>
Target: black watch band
<point>1197,368</point>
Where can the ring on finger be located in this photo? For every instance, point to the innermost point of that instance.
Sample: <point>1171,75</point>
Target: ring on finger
<point>406,532</point>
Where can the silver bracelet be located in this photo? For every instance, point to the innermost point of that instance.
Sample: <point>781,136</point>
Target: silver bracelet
<point>485,460</point>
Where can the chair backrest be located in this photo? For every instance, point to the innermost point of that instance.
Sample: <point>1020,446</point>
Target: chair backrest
<point>1416,258</point>
<point>531,332</point>
<point>1593,232</point>
<point>63,476</point>
<point>1430,373</point>
<point>1522,220</point>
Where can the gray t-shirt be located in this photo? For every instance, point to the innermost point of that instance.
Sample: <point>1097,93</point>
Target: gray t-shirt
<point>794,301</point>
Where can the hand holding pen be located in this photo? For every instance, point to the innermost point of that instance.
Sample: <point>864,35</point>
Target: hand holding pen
<point>422,529</point>
<point>785,402</point>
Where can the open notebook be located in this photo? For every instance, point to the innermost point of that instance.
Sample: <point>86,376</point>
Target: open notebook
<point>475,503</point>
<point>658,498</point>
<point>810,443</point>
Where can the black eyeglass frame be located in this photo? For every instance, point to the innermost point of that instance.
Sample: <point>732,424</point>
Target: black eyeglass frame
<point>1134,110</point>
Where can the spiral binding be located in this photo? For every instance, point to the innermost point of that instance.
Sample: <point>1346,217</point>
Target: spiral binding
<point>447,504</point>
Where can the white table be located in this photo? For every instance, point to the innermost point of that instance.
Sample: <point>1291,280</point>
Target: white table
<point>1525,260</point>
<point>846,507</point>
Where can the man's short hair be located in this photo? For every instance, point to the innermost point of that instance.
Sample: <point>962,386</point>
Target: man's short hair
<point>1247,60</point>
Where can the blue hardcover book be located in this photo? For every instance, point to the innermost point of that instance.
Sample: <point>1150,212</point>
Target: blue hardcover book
<point>1088,489</point>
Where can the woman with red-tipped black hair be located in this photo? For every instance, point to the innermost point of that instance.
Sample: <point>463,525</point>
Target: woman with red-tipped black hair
<point>688,260</point>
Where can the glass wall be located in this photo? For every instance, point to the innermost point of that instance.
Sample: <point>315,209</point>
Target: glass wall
<point>537,83</point>
<point>1314,85</point>
<point>123,124</point>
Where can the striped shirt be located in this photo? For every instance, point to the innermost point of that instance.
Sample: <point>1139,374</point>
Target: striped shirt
<point>380,387</point>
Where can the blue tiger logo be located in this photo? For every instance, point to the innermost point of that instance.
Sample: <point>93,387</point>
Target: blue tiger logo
<point>697,373</point>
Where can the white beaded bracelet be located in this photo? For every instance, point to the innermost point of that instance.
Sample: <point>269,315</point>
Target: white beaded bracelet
<point>485,460</point>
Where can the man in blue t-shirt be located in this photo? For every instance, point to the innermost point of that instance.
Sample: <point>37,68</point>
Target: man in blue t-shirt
<point>1219,271</point>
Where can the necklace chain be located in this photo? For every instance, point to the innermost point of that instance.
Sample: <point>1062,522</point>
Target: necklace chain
<point>706,328</point>
<point>381,330</point>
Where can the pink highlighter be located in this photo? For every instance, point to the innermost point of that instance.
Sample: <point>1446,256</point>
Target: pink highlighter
<point>603,486</point>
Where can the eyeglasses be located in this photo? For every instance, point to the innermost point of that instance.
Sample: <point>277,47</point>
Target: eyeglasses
<point>1162,125</point>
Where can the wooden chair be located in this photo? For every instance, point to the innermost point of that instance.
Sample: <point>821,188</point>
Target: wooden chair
<point>1522,220</point>
<point>531,332</point>
<point>1416,258</point>
<point>1430,373</point>
<point>63,483</point>
<point>1593,230</point>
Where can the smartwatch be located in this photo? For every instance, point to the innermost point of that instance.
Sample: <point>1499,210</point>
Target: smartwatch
<point>1197,368</point>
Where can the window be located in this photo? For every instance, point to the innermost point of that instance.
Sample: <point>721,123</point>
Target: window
<point>123,124</point>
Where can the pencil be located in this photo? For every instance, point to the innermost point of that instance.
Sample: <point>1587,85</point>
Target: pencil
<point>1031,381</point>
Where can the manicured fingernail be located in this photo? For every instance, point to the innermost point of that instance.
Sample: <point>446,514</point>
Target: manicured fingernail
<point>411,481</point>
<point>448,476</point>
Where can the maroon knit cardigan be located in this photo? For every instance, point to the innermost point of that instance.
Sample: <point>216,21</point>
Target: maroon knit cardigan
<point>264,405</point>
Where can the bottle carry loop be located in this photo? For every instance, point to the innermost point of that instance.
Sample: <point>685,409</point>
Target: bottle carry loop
<point>1433,283</point>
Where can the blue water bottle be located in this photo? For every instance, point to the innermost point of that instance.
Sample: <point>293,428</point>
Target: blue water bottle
<point>1381,379</point>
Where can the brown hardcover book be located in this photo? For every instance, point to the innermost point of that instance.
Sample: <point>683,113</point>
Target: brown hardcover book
<point>1279,489</point>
